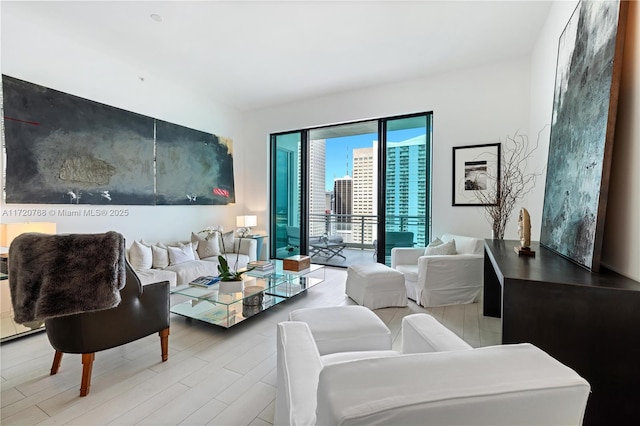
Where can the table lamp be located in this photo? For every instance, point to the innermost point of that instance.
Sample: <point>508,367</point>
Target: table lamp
<point>9,231</point>
<point>244,223</point>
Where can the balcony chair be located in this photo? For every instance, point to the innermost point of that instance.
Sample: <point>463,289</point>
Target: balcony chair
<point>293,237</point>
<point>327,246</point>
<point>394,239</point>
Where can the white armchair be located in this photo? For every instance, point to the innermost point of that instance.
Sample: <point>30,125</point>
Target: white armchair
<point>437,379</point>
<point>439,280</point>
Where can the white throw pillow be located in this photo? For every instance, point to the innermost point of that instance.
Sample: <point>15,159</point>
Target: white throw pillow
<point>448,248</point>
<point>226,242</point>
<point>434,243</point>
<point>140,256</point>
<point>160,256</point>
<point>194,247</point>
<point>181,254</point>
<point>206,248</point>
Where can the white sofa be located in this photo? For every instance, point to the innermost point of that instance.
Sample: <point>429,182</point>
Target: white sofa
<point>183,272</point>
<point>437,379</point>
<point>440,280</point>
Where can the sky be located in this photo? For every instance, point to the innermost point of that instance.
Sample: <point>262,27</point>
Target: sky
<point>339,151</point>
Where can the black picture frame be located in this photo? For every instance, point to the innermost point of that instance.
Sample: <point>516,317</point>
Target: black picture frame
<point>475,168</point>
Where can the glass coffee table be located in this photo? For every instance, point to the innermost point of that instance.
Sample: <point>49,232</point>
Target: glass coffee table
<point>226,304</point>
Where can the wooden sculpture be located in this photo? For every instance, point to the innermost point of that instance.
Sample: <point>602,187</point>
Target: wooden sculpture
<point>524,231</point>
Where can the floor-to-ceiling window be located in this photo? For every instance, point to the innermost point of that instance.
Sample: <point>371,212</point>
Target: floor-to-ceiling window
<point>286,194</point>
<point>362,188</point>
<point>407,182</point>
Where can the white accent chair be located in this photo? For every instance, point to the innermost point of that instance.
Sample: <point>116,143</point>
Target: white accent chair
<point>440,280</point>
<point>437,379</point>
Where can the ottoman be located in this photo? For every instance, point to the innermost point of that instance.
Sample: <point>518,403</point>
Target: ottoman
<point>375,285</point>
<point>344,328</point>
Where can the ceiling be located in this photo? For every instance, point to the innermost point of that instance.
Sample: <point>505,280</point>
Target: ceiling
<point>252,55</point>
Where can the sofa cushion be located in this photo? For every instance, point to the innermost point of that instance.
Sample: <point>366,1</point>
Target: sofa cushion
<point>180,254</point>
<point>410,272</point>
<point>140,256</point>
<point>160,256</point>
<point>206,247</point>
<point>466,245</point>
<point>227,242</point>
<point>448,248</point>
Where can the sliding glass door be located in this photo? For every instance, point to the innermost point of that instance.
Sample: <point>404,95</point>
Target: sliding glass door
<point>406,196</point>
<point>287,198</point>
<point>349,193</point>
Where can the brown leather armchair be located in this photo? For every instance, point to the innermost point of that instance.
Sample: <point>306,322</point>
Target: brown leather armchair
<point>142,311</point>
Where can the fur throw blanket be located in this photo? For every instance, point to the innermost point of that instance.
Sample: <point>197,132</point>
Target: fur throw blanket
<point>56,275</point>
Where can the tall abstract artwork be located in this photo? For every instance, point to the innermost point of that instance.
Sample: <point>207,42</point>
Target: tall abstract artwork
<point>582,130</point>
<point>66,149</point>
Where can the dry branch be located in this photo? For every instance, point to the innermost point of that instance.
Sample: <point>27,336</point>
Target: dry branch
<point>515,181</point>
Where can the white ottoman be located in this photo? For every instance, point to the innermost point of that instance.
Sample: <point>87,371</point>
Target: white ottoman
<point>344,329</point>
<point>375,285</point>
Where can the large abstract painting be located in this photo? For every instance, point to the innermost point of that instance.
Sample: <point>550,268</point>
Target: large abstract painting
<point>193,167</point>
<point>582,129</point>
<point>65,149</point>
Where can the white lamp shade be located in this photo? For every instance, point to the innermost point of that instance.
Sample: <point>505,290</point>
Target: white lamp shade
<point>9,231</point>
<point>246,221</point>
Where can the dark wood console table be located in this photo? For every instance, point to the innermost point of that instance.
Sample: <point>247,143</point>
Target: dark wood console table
<point>588,321</point>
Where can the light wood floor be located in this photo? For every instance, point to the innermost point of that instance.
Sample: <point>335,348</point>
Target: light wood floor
<point>213,376</point>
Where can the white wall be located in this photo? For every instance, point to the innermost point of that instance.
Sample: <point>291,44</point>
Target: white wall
<point>32,53</point>
<point>620,251</point>
<point>473,106</point>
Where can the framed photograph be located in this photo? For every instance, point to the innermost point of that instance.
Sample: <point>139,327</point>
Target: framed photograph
<point>476,174</point>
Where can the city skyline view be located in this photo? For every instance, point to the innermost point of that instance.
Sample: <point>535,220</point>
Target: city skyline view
<point>339,151</point>
<point>343,181</point>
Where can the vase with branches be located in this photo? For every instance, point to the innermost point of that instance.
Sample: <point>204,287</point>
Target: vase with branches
<point>516,180</point>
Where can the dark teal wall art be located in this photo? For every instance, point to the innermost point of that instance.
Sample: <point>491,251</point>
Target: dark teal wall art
<point>582,130</point>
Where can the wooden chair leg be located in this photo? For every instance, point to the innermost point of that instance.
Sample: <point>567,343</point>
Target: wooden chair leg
<point>57,358</point>
<point>164,343</point>
<point>87,366</point>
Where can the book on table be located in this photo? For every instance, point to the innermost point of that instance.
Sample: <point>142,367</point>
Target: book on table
<point>261,265</point>
<point>206,282</point>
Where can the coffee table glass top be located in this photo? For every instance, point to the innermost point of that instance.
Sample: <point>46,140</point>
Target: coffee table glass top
<point>227,303</point>
<point>286,283</point>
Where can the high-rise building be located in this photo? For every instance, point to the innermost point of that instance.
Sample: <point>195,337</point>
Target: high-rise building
<point>343,204</point>
<point>317,202</point>
<point>406,200</point>
<point>365,193</point>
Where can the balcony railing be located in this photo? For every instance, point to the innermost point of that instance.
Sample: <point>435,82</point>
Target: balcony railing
<point>360,231</point>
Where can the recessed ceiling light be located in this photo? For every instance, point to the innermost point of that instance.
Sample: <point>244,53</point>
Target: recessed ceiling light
<point>156,17</point>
